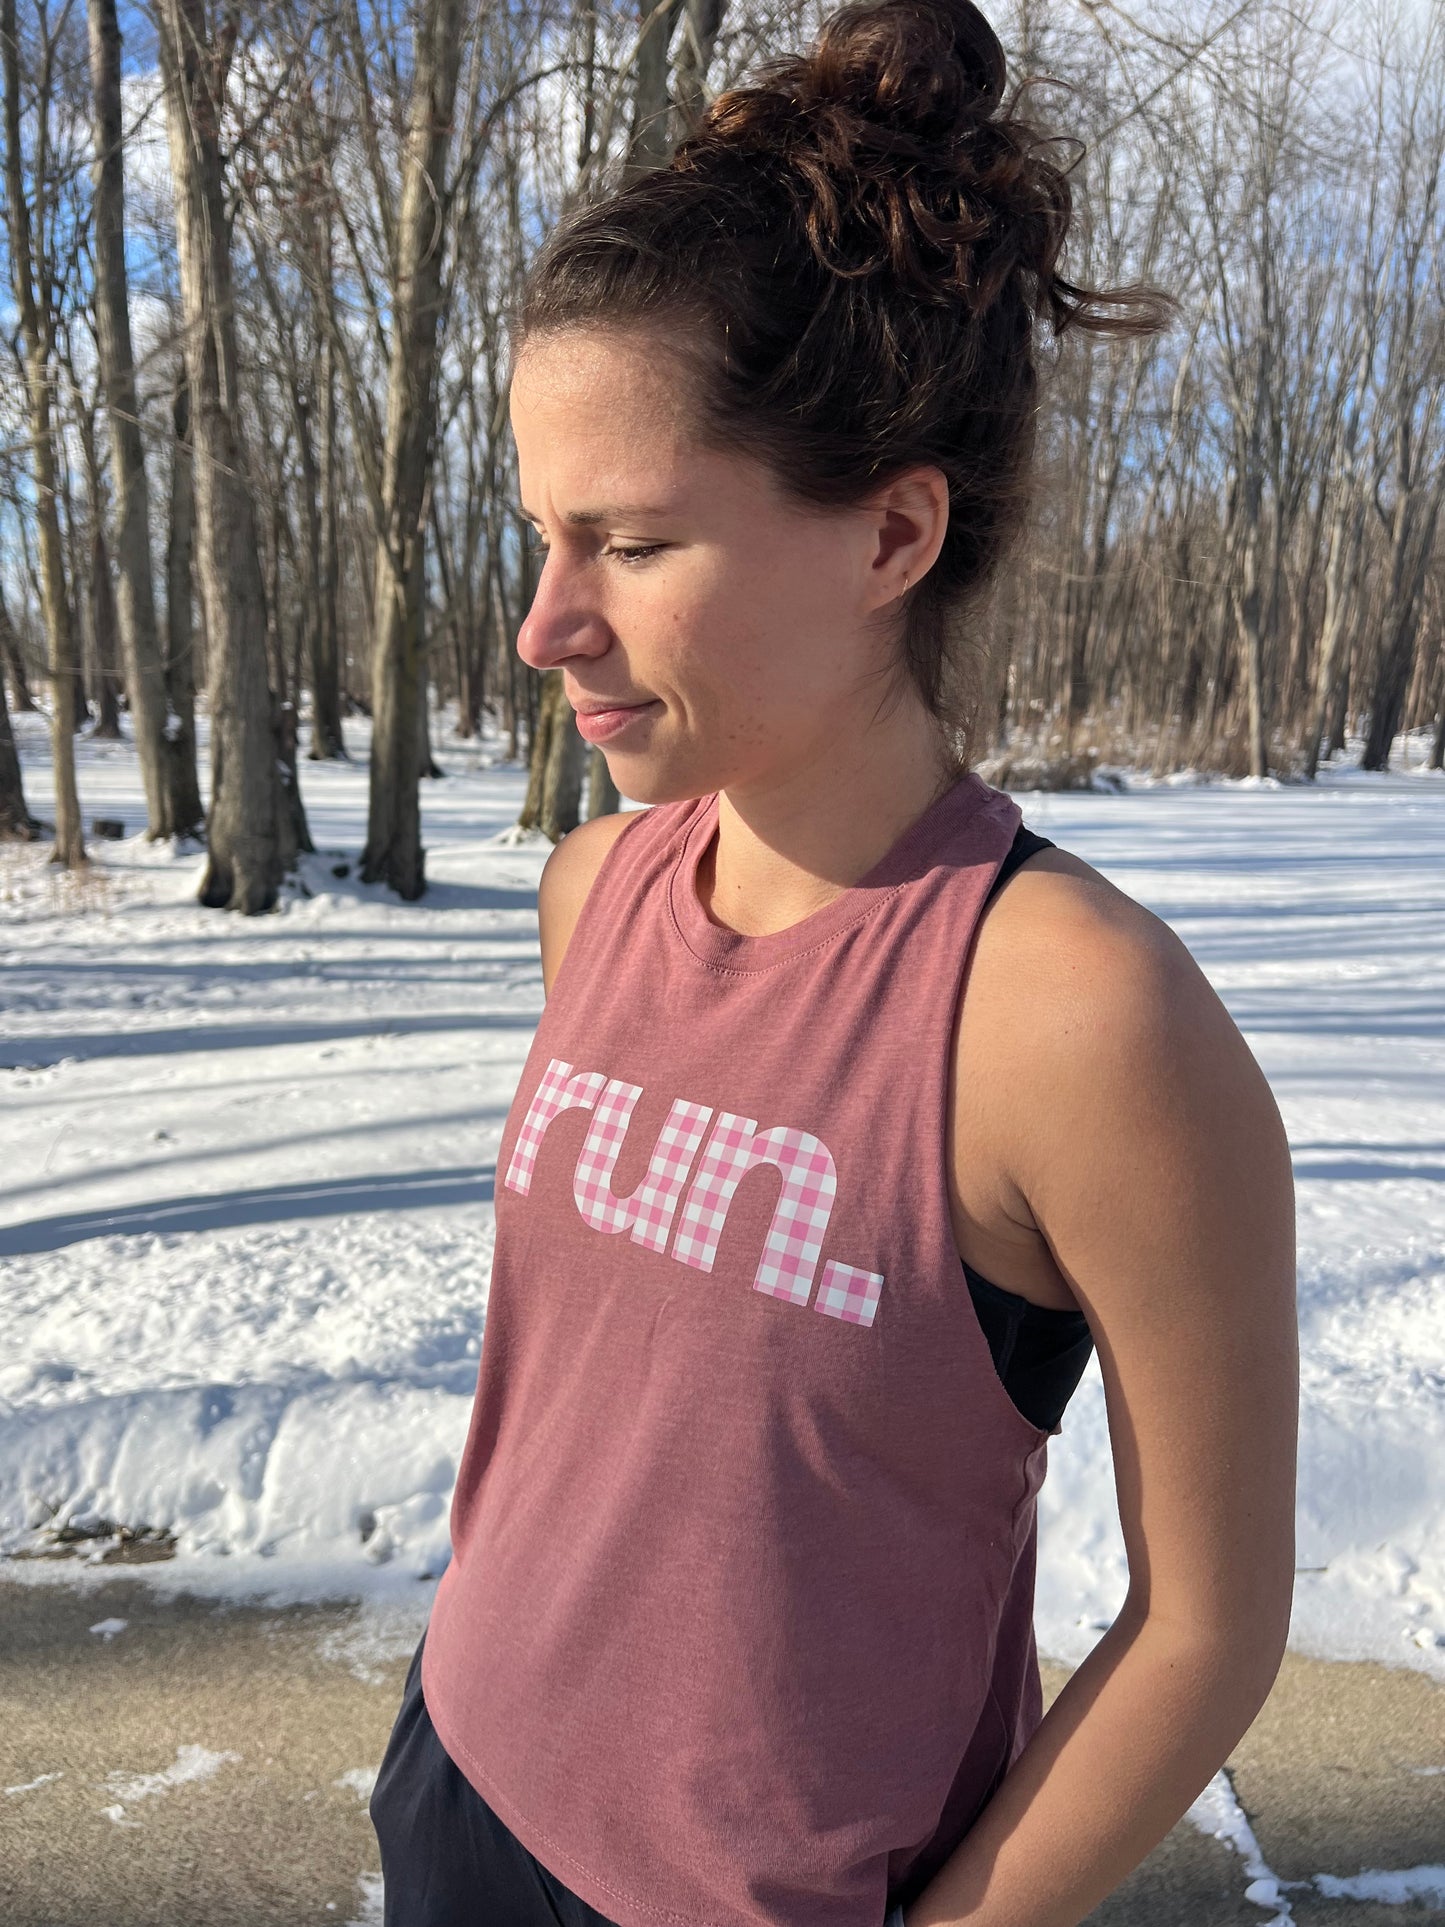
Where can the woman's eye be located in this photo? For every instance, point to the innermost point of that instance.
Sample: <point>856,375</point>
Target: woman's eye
<point>637,553</point>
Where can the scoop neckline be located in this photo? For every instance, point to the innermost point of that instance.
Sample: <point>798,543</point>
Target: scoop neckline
<point>731,950</point>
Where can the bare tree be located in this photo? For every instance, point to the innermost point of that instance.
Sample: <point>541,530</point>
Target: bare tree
<point>1410,464</point>
<point>393,852</point>
<point>187,811</point>
<point>16,822</point>
<point>250,826</point>
<point>35,299</point>
<point>136,609</point>
<point>12,660</point>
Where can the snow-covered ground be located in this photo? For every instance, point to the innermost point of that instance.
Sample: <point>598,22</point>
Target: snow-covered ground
<point>246,1171</point>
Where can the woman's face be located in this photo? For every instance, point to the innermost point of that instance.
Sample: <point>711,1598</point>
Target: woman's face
<point>681,584</point>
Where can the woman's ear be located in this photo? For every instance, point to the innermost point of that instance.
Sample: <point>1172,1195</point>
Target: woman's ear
<point>909,518</point>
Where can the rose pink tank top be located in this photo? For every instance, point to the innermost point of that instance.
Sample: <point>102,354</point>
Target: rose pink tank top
<point>738,1630</point>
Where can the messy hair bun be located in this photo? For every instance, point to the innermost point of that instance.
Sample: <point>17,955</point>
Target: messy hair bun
<point>860,246</point>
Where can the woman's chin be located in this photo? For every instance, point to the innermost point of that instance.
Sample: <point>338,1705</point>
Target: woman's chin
<point>649,780</point>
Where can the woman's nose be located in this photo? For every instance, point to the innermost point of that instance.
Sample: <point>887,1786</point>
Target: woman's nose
<point>560,624</point>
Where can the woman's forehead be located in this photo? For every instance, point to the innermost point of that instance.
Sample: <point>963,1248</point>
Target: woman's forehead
<point>601,426</point>
<point>630,377</point>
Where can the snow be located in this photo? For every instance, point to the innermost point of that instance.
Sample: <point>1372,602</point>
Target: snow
<point>30,1785</point>
<point>372,1902</point>
<point>246,1172</point>
<point>191,1763</point>
<point>1217,1812</point>
<point>1397,1889</point>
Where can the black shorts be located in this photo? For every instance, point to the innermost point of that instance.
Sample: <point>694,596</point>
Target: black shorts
<point>446,1859</point>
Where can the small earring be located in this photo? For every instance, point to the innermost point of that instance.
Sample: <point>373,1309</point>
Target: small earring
<point>905,584</point>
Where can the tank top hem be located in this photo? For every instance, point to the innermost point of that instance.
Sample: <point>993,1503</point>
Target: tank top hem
<point>587,1886</point>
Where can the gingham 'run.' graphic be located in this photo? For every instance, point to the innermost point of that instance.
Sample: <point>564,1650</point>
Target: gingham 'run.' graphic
<point>794,1242</point>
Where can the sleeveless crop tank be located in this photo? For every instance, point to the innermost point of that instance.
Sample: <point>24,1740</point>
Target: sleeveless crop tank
<point>738,1627</point>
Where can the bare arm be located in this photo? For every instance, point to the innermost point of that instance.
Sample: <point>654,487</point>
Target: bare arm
<point>1141,1141</point>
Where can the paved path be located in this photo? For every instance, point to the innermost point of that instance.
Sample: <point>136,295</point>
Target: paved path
<point>117,1835</point>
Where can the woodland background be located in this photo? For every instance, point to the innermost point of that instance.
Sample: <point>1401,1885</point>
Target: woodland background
<point>253,444</point>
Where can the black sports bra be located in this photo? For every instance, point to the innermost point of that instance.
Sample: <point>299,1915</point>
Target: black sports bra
<point>1039,1352</point>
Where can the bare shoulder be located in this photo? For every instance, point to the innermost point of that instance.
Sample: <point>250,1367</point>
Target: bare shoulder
<point>1061,944</point>
<point>1088,1009</point>
<point>567,877</point>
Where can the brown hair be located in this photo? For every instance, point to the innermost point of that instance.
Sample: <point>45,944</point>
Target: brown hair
<point>854,253</point>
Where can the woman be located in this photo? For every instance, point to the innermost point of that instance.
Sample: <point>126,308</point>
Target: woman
<point>856,1114</point>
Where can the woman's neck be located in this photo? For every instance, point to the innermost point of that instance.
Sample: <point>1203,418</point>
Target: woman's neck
<point>784,849</point>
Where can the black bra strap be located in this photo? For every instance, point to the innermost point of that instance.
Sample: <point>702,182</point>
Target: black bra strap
<point>1026,843</point>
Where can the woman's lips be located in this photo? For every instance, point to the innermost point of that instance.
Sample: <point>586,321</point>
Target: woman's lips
<point>600,725</point>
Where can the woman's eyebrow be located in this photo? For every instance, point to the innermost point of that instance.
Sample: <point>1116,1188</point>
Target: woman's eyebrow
<point>612,512</point>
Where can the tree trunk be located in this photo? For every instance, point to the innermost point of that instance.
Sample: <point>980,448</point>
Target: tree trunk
<point>557,762</point>
<point>102,630</point>
<point>700,23</point>
<point>1421,683</point>
<point>539,749</point>
<point>562,781</point>
<point>285,714</point>
<point>1248,605</point>
<point>35,332</point>
<point>135,601</point>
<point>1339,711</point>
<point>602,796</point>
<point>98,628</point>
<point>511,708</point>
<point>184,808</point>
<point>325,666</point>
<point>650,139</point>
<point>428,768</point>
<point>17,825</point>
<point>247,830</point>
<point>295,831</point>
<point>1340,576</point>
<point>393,852</point>
<point>12,657</point>
<point>1412,543</point>
<point>1392,676</point>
